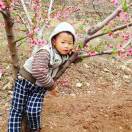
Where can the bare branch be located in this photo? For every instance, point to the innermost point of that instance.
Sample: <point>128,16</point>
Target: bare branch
<point>66,65</point>
<point>126,44</point>
<point>27,14</point>
<point>25,24</point>
<point>20,39</point>
<point>100,25</point>
<point>104,33</point>
<point>2,12</point>
<point>50,7</point>
<point>40,32</point>
<point>97,12</point>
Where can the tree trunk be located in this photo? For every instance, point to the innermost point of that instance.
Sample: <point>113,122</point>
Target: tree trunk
<point>10,38</point>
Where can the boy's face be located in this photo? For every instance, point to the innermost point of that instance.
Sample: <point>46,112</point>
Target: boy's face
<point>64,43</point>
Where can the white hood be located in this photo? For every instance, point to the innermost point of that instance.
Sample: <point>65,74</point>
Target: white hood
<point>63,26</point>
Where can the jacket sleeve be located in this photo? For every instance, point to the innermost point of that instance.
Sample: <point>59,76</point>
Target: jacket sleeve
<point>40,69</point>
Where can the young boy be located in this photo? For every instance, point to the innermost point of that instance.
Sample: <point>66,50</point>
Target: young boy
<point>37,76</point>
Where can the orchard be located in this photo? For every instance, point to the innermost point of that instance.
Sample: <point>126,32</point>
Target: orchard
<point>95,84</point>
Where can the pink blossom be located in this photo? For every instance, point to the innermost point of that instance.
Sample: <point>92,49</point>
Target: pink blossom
<point>33,42</point>
<point>65,83</point>
<point>123,55</point>
<point>120,49</point>
<point>129,52</point>
<point>92,53</point>
<point>2,6</point>
<point>65,13</point>
<point>110,46</point>
<point>39,42</point>
<point>36,29</point>
<point>115,2</point>
<point>2,24</point>
<point>119,46</point>
<point>30,33</point>
<point>126,36</point>
<point>124,16</point>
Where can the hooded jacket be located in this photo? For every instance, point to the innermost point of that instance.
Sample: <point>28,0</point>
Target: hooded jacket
<point>55,58</point>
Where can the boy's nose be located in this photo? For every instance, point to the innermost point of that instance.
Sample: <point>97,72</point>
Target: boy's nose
<point>66,45</point>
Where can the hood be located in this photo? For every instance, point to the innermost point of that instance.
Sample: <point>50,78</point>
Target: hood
<point>63,26</point>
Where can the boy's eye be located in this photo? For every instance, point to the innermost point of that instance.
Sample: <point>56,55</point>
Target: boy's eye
<point>71,43</point>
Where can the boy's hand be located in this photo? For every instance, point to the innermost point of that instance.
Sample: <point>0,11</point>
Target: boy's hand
<point>54,92</point>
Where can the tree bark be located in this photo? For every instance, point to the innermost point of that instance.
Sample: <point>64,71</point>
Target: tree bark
<point>10,38</point>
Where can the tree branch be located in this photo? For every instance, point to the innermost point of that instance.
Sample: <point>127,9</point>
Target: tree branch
<point>66,65</point>
<point>26,25</point>
<point>50,7</point>
<point>19,39</point>
<point>84,54</point>
<point>100,25</point>
<point>27,14</point>
<point>126,44</point>
<point>104,33</point>
<point>97,12</point>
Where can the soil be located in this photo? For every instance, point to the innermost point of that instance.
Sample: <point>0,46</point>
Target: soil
<point>95,95</point>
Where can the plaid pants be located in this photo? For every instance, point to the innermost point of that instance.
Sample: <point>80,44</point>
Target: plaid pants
<point>27,99</point>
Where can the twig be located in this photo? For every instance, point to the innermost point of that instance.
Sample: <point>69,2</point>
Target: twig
<point>2,12</point>
<point>20,39</point>
<point>97,12</point>
<point>126,44</point>
<point>40,32</point>
<point>50,7</point>
<point>26,12</point>
<point>27,26</point>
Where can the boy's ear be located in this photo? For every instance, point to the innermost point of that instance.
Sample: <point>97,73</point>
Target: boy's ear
<point>53,41</point>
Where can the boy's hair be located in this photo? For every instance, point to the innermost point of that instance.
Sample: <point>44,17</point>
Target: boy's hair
<point>54,37</point>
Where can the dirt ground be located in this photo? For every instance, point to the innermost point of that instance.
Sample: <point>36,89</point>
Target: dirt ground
<point>95,95</point>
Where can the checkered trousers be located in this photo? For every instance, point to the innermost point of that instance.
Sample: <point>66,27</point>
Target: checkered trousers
<point>27,99</point>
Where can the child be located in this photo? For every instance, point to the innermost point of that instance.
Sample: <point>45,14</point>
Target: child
<point>37,76</point>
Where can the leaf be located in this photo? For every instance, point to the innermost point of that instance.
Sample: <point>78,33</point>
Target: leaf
<point>81,45</point>
<point>106,30</point>
<point>114,51</point>
<point>124,5</point>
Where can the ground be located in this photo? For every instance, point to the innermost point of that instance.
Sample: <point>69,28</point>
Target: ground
<point>95,95</point>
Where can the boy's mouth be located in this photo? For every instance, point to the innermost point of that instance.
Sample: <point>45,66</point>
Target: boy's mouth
<point>66,51</point>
